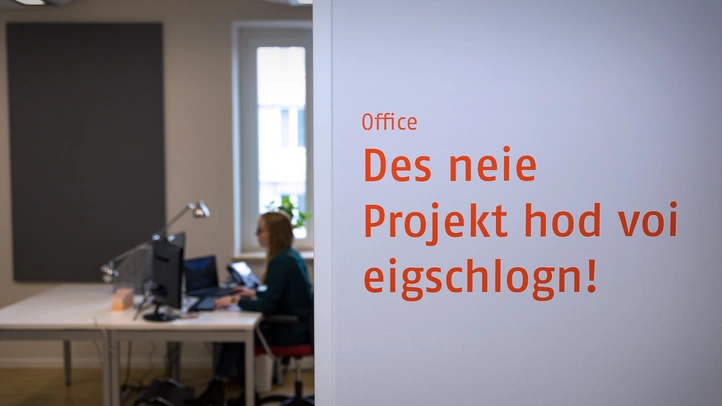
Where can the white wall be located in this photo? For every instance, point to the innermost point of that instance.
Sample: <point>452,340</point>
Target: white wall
<point>199,116</point>
<point>618,103</point>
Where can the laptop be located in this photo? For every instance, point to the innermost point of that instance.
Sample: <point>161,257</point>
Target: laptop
<point>201,276</point>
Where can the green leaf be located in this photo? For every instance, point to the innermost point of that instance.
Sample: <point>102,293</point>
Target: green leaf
<point>298,218</point>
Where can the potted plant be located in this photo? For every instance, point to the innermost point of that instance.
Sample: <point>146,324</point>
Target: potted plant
<point>298,217</point>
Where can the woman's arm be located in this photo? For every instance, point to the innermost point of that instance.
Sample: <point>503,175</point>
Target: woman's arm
<point>268,301</point>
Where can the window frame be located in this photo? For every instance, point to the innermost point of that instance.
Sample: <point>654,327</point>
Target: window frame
<point>247,38</point>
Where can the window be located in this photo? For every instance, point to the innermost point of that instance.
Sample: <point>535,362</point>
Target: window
<point>273,70</point>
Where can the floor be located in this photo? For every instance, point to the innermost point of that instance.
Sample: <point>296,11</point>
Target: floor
<point>44,387</point>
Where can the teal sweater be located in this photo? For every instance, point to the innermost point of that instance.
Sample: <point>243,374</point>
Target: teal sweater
<point>288,292</point>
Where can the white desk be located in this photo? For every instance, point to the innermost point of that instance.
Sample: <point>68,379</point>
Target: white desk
<point>82,312</point>
<point>218,326</point>
<point>65,313</point>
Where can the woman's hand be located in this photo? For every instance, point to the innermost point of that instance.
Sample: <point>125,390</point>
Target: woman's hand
<point>244,292</point>
<point>225,301</point>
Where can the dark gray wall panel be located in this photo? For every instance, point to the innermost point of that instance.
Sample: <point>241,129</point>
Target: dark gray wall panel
<point>86,144</point>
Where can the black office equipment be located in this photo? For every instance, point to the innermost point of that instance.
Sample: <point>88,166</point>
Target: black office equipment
<point>141,275</point>
<point>167,279</point>
<point>201,276</point>
<point>177,239</point>
<point>242,274</point>
<point>165,393</point>
<point>205,304</point>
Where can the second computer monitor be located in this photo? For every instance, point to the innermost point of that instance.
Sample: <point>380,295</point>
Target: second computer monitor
<point>200,273</point>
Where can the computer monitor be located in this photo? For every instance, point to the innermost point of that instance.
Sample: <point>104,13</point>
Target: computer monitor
<point>178,239</point>
<point>167,278</point>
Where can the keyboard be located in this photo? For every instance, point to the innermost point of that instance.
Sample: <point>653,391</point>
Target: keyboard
<point>204,305</point>
<point>213,291</point>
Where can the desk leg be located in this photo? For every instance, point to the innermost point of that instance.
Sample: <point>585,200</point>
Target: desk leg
<point>67,357</point>
<point>113,369</point>
<point>250,373</point>
<point>173,353</point>
<point>107,366</point>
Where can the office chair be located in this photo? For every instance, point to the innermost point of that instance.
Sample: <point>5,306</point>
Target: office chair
<point>297,352</point>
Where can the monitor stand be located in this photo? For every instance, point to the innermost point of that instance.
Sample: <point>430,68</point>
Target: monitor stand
<point>158,316</point>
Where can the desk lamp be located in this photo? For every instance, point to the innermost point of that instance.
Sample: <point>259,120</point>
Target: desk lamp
<point>108,271</point>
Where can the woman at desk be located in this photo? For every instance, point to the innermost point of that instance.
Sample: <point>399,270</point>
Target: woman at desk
<point>287,292</point>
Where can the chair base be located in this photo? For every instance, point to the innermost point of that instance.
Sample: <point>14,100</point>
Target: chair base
<point>297,399</point>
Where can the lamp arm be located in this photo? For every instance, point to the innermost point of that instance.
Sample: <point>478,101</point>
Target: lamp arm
<point>108,270</point>
<point>157,234</point>
<point>129,252</point>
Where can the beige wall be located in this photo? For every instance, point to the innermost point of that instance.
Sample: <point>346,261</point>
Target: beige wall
<point>198,120</point>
